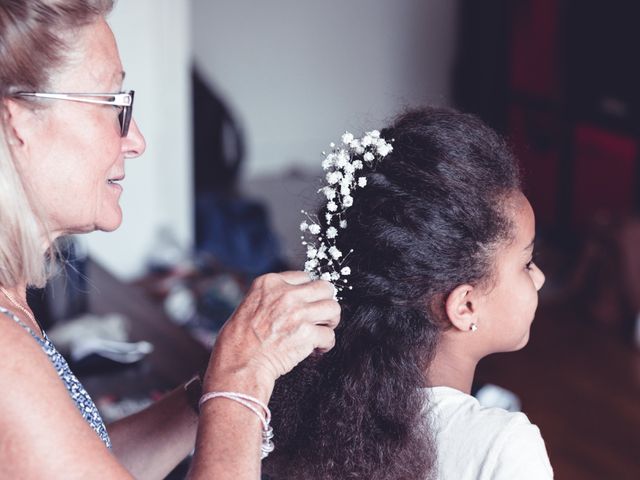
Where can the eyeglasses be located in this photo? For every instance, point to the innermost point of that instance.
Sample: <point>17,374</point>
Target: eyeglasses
<point>123,100</point>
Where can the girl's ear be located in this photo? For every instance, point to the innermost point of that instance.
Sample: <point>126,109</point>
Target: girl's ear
<point>461,308</point>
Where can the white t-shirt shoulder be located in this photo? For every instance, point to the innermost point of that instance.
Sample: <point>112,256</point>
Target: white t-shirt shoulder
<point>479,443</point>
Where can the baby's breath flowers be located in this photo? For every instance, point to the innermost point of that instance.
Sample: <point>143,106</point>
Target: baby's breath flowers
<point>343,167</point>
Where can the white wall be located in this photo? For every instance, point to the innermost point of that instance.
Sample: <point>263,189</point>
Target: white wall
<point>298,73</point>
<point>155,46</point>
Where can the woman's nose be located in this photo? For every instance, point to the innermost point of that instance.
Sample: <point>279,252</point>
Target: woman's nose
<point>134,143</point>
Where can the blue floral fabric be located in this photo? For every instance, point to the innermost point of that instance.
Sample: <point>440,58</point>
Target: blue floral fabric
<point>78,394</point>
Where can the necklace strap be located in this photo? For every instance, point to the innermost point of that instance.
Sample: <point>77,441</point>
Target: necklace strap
<point>24,310</point>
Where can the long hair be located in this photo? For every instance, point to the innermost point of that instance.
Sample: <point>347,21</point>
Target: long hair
<point>34,42</point>
<point>428,220</point>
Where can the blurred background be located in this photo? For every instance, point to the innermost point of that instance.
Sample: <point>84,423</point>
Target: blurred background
<point>237,100</point>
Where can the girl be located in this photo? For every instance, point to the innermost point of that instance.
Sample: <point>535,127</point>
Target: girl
<point>441,275</point>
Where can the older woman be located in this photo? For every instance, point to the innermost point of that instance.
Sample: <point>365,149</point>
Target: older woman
<point>67,130</point>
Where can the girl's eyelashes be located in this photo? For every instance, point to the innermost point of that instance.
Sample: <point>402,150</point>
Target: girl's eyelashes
<point>531,261</point>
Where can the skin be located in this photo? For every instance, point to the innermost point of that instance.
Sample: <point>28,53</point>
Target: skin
<point>74,131</point>
<point>67,152</point>
<point>503,310</point>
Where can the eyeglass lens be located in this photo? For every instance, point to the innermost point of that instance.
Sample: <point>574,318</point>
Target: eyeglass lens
<point>125,117</point>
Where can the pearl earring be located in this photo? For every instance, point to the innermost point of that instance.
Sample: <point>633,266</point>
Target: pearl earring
<point>473,327</point>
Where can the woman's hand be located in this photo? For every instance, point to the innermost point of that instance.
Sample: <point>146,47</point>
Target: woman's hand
<point>283,319</point>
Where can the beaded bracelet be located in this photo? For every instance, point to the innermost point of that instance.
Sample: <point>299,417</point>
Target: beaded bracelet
<point>267,445</point>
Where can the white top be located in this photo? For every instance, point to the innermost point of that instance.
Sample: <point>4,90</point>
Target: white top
<point>479,443</point>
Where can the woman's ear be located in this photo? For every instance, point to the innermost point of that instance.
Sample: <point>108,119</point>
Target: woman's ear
<point>18,121</point>
<point>461,308</point>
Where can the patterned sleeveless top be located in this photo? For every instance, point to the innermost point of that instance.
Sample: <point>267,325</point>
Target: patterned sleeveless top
<point>78,394</point>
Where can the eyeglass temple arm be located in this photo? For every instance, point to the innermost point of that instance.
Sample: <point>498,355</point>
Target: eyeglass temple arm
<point>121,99</point>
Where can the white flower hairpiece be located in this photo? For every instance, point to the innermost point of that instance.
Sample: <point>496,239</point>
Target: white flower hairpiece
<point>324,260</point>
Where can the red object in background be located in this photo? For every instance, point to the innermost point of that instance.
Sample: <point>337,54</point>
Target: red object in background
<point>534,48</point>
<point>536,140</point>
<point>604,173</point>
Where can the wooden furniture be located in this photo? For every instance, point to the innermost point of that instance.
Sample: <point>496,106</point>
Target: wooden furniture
<point>176,355</point>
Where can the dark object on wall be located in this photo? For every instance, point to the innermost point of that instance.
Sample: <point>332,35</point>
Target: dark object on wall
<point>234,230</point>
<point>603,74</point>
<point>480,75</point>
<point>534,49</point>
<point>536,138</point>
<point>571,99</point>
<point>601,39</point>
<point>218,147</point>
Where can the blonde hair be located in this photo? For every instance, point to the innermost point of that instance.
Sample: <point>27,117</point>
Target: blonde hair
<point>32,47</point>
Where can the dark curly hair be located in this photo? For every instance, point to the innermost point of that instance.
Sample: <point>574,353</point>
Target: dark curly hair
<point>428,220</point>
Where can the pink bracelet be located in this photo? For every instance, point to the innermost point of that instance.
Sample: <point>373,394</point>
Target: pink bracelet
<point>248,401</point>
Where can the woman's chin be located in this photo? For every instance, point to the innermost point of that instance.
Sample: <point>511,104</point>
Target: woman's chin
<point>110,222</point>
<point>109,227</point>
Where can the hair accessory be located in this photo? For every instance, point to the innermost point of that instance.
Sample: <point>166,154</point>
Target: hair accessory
<point>342,166</point>
<point>248,401</point>
<point>473,327</point>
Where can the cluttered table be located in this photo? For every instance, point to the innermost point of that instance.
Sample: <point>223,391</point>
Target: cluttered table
<point>175,357</point>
